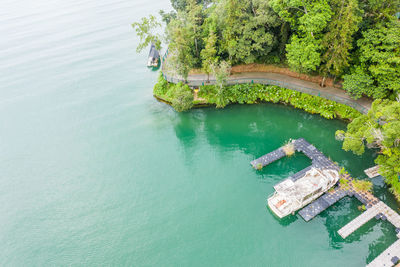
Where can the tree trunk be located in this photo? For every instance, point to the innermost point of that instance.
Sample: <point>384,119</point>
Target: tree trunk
<point>323,81</point>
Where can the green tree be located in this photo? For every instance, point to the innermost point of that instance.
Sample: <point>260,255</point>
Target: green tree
<point>180,56</point>
<point>247,29</point>
<point>209,53</point>
<point>379,56</point>
<point>221,72</point>
<point>303,54</point>
<point>378,11</point>
<point>308,19</point>
<point>358,83</point>
<point>194,20</point>
<point>183,98</point>
<point>380,129</point>
<point>338,41</point>
<point>145,30</point>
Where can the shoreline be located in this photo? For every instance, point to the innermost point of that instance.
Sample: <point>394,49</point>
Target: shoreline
<point>269,94</point>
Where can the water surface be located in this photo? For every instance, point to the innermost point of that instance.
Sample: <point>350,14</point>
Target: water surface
<point>95,171</point>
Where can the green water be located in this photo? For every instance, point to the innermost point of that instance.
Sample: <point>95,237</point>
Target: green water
<point>95,172</point>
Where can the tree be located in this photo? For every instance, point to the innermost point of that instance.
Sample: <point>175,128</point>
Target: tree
<point>247,29</point>
<point>180,50</point>
<point>183,98</point>
<point>221,72</point>
<point>303,54</point>
<point>145,30</point>
<point>337,42</point>
<point>379,129</point>
<point>358,83</point>
<point>194,20</point>
<point>379,56</point>
<point>180,5</point>
<point>308,19</point>
<point>209,53</point>
<point>378,11</point>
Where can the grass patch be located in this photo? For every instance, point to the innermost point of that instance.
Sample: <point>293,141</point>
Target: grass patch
<point>362,185</point>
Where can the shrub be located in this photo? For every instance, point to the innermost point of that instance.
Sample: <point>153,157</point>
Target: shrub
<point>259,166</point>
<point>362,185</point>
<point>344,184</point>
<point>183,98</point>
<point>289,149</point>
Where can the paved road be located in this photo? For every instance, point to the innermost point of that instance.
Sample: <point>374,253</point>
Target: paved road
<point>198,79</point>
<point>332,93</point>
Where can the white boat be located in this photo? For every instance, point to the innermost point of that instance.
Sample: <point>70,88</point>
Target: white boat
<point>290,196</point>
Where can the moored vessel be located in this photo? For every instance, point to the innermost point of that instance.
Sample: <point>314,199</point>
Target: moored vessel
<point>290,196</point>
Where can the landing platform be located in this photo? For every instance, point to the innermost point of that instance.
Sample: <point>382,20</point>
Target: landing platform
<point>389,257</point>
<point>325,201</point>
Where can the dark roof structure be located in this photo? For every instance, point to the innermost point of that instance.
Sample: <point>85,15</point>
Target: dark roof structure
<point>154,52</point>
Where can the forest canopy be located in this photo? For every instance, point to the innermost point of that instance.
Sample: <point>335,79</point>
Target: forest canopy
<point>354,40</point>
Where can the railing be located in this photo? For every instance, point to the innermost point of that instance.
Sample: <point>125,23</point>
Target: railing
<point>232,81</point>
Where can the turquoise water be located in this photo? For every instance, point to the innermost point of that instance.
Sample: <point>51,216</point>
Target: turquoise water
<point>96,172</point>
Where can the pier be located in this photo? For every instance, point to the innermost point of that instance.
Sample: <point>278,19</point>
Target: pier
<point>389,257</point>
<point>372,172</point>
<point>374,207</point>
<point>360,220</point>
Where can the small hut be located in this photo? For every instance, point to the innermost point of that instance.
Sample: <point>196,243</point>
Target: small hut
<point>154,57</point>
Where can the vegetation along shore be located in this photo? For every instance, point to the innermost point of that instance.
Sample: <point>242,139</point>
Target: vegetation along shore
<point>354,43</point>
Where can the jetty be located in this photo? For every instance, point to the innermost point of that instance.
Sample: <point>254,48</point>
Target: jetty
<point>374,207</point>
<point>372,172</point>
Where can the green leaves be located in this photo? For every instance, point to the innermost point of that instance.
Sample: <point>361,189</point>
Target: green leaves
<point>303,54</point>
<point>359,83</point>
<point>145,30</point>
<point>380,63</point>
<point>337,42</point>
<point>380,128</point>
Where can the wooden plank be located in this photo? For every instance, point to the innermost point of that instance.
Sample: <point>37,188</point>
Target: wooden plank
<point>372,172</point>
<point>388,257</point>
<point>359,221</point>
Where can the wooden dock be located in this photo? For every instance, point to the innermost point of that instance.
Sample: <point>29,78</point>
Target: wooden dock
<point>375,207</point>
<point>268,158</point>
<point>389,257</point>
<point>372,172</point>
<point>322,203</point>
<point>359,221</point>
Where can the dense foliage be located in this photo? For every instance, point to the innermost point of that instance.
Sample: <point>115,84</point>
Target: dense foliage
<point>357,40</point>
<point>179,95</point>
<point>253,93</point>
<point>380,129</point>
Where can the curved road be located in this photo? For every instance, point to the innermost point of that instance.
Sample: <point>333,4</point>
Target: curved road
<point>332,93</point>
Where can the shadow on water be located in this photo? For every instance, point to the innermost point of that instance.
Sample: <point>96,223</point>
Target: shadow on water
<point>337,216</point>
<point>258,130</point>
<point>387,237</point>
<point>345,211</point>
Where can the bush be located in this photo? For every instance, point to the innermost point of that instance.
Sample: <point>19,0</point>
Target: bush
<point>251,93</point>
<point>183,98</point>
<point>362,185</point>
<point>289,149</point>
<point>178,96</point>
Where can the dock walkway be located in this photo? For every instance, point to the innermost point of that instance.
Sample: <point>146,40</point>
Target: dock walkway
<point>359,221</point>
<point>389,257</point>
<point>322,203</point>
<point>375,207</point>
